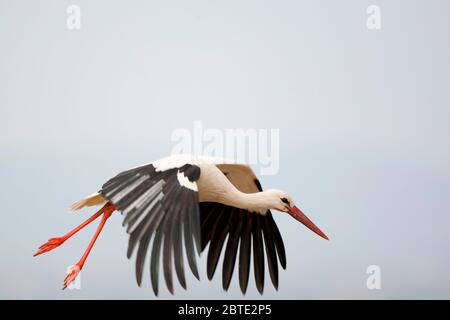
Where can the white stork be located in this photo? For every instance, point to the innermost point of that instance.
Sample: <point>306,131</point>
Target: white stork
<point>201,200</point>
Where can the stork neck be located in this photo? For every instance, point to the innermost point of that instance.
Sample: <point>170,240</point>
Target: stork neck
<point>258,201</point>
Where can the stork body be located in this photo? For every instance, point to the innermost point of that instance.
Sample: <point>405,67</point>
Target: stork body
<point>195,201</point>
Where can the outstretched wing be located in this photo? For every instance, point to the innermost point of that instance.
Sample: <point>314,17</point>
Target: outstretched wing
<point>159,202</point>
<point>248,233</point>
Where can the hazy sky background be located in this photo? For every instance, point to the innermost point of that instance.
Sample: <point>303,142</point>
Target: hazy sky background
<point>363,118</point>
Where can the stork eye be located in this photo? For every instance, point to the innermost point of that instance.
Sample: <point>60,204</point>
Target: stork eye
<point>285,200</point>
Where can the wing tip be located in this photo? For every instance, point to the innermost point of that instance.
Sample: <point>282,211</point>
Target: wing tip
<point>260,289</point>
<point>169,288</point>
<point>196,275</point>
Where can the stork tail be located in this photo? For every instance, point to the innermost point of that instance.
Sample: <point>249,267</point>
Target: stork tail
<point>91,200</point>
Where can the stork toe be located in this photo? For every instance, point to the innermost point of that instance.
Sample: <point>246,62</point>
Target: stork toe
<point>71,275</point>
<point>51,244</point>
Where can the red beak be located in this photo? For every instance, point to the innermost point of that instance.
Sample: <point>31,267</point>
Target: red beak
<point>298,215</point>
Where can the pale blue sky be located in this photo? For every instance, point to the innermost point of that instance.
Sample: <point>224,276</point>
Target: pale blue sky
<point>363,118</point>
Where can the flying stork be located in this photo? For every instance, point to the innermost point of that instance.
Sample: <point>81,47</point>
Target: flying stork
<point>192,200</point>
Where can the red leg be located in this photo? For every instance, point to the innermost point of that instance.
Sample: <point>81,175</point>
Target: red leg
<point>52,243</point>
<point>76,268</point>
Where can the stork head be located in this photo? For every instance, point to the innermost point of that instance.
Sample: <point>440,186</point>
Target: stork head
<point>281,201</point>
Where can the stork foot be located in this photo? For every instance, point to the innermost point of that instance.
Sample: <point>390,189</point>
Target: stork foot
<point>72,274</point>
<point>51,244</point>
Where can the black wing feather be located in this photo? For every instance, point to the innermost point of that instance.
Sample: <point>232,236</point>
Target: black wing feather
<point>154,260</point>
<point>278,241</point>
<point>218,237</point>
<point>231,249</point>
<point>178,254</point>
<point>209,214</point>
<point>245,252</point>
<point>189,244</point>
<point>167,253</point>
<point>270,251</point>
<point>258,254</point>
<point>140,259</point>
